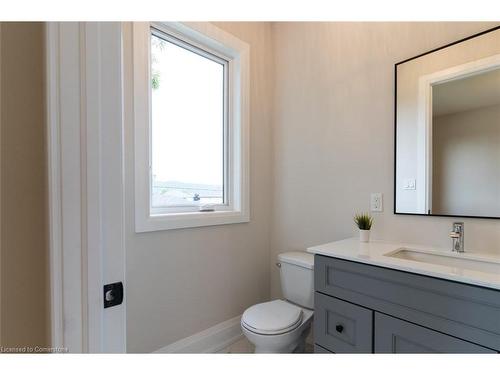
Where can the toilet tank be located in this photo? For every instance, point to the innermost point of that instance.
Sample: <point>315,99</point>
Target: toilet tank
<point>297,277</point>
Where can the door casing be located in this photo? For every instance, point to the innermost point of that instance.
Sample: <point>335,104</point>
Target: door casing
<point>86,188</point>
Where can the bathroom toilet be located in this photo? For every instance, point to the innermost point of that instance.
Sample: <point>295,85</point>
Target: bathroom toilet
<point>281,326</point>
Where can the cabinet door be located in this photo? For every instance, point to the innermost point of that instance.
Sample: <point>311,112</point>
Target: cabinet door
<point>342,327</point>
<point>398,336</point>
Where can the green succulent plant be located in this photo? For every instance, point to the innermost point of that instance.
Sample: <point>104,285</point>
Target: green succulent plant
<point>363,221</point>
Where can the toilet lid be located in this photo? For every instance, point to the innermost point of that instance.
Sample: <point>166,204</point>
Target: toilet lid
<point>272,318</point>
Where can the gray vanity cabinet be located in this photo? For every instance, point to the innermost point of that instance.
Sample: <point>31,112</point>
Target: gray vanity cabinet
<point>360,308</point>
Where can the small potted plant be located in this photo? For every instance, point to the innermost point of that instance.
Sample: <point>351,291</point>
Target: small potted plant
<point>364,223</point>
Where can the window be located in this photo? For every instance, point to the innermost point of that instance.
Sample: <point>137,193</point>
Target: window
<point>191,136</point>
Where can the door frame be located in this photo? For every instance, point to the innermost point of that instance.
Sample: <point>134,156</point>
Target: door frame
<point>85,132</point>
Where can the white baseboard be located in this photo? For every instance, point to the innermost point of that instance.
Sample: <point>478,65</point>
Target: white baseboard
<point>210,340</point>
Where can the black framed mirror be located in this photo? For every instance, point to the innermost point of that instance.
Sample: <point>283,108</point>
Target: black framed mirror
<point>447,130</point>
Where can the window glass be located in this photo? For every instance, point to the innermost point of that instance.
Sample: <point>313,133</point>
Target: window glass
<point>187,125</point>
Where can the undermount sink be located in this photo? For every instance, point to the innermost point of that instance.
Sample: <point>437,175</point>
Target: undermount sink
<point>454,260</point>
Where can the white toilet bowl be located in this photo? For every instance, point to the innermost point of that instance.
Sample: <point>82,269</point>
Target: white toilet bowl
<point>277,326</point>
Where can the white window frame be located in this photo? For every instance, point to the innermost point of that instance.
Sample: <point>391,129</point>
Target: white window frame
<point>235,52</point>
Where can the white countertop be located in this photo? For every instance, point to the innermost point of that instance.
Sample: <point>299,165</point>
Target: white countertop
<point>374,253</point>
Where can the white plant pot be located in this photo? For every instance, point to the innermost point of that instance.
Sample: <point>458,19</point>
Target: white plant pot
<point>364,235</point>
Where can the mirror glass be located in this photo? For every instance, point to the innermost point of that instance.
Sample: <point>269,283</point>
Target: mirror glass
<point>448,130</point>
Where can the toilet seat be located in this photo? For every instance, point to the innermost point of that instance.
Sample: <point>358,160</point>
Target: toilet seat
<point>272,318</point>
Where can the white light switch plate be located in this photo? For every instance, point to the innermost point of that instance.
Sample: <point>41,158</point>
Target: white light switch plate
<point>410,184</point>
<point>376,202</point>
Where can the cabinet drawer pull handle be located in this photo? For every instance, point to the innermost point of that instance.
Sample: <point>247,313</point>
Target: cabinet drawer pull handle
<point>339,328</point>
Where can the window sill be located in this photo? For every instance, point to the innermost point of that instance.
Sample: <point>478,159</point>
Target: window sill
<point>189,220</point>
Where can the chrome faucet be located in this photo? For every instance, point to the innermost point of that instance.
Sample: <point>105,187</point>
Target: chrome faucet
<point>457,236</point>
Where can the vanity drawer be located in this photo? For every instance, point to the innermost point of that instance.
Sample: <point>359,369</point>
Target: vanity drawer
<point>397,336</point>
<point>342,327</point>
<point>466,311</point>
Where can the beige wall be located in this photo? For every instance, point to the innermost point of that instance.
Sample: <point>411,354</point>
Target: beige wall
<point>333,133</point>
<point>466,162</point>
<point>180,282</point>
<point>24,272</point>
<point>319,146</point>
